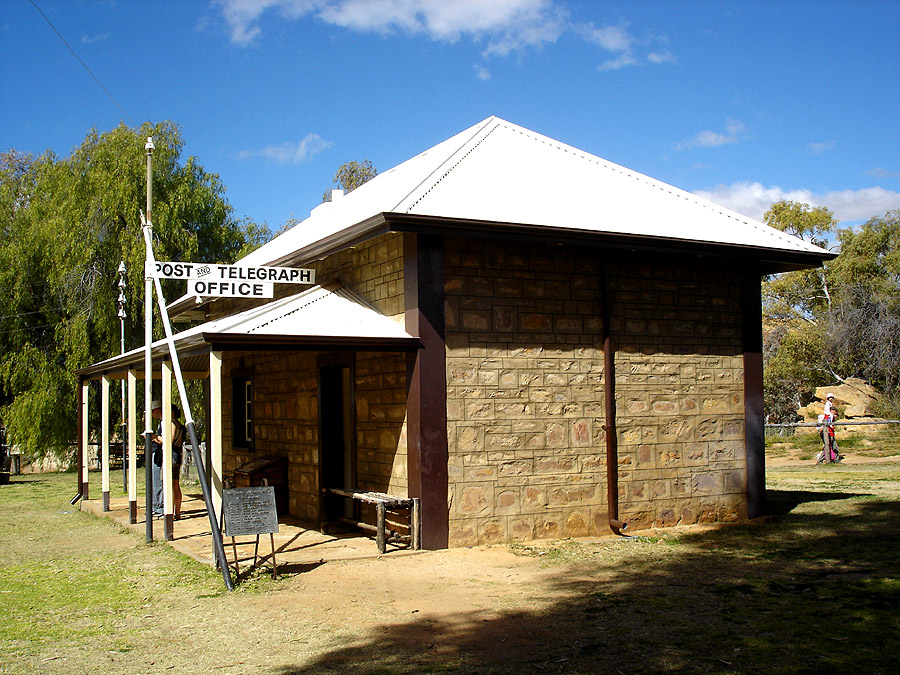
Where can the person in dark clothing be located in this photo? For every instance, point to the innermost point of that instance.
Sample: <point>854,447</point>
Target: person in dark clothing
<point>177,432</point>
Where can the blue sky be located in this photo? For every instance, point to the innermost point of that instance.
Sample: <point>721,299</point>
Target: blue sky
<point>743,102</point>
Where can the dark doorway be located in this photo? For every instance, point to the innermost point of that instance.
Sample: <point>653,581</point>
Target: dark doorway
<point>337,447</point>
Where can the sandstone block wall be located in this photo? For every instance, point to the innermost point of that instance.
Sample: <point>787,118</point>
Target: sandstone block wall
<point>525,398</point>
<point>679,394</point>
<point>373,269</point>
<point>285,420</point>
<point>524,393</point>
<point>285,390</point>
<point>381,422</point>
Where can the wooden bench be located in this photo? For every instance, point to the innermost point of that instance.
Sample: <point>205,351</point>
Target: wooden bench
<point>384,502</point>
<point>116,451</point>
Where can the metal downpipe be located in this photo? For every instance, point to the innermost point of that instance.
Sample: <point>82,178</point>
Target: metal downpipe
<point>609,389</point>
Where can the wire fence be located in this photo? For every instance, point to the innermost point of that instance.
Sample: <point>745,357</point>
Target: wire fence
<point>788,428</point>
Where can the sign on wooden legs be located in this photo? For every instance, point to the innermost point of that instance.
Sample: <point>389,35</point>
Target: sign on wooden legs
<point>249,510</point>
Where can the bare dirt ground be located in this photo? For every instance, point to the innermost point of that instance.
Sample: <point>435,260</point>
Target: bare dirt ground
<point>426,612</point>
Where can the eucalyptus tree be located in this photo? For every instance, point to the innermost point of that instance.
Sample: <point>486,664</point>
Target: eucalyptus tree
<point>841,320</point>
<point>351,175</point>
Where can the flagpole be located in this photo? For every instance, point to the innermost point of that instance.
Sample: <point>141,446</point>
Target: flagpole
<point>151,278</point>
<point>148,355</point>
<point>218,548</point>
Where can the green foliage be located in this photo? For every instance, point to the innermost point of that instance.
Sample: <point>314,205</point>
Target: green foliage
<point>65,223</point>
<point>843,320</point>
<point>788,380</point>
<point>870,257</point>
<point>865,335</point>
<point>802,294</point>
<point>351,175</point>
<point>801,220</point>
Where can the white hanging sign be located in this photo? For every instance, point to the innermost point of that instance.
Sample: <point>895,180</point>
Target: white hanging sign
<point>231,289</point>
<point>235,273</point>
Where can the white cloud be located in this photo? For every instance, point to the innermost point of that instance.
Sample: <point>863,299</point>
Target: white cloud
<point>290,153</point>
<point>508,25</point>
<point>618,63</point>
<point>881,172</point>
<point>504,26</point>
<point>611,38</point>
<point>819,148</point>
<point>91,39</point>
<point>754,199</point>
<point>511,22</point>
<point>734,131</point>
<point>623,45</point>
<point>482,73</point>
<point>661,57</point>
<point>242,15</point>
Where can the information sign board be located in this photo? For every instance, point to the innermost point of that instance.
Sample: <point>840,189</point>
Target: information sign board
<point>249,510</point>
<point>235,273</point>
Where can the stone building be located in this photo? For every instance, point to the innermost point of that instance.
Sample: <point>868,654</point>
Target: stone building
<point>532,341</point>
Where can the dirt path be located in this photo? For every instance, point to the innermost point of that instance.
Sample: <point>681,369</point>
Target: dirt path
<point>434,611</point>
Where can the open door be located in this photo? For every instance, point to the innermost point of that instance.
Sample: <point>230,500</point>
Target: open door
<point>337,440</point>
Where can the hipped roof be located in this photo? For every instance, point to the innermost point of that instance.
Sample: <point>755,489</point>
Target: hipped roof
<point>498,177</point>
<point>323,317</point>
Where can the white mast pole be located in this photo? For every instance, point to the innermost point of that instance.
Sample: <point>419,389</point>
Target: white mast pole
<point>151,278</point>
<point>148,356</point>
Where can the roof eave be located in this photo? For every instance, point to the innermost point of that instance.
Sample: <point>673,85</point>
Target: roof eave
<point>232,341</point>
<point>349,236</point>
<point>117,367</point>
<point>770,260</point>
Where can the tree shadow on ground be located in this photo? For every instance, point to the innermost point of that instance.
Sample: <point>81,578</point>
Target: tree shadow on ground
<point>23,481</point>
<point>782,502</point>
<point>807,594</point>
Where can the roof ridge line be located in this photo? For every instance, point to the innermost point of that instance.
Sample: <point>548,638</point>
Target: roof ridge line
<point>253,313</point>
<point>481,128</point>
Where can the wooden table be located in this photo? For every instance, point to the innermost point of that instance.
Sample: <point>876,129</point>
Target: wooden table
<point>384,502</point>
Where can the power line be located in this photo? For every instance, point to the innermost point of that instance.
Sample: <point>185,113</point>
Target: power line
<point>24,329</point>
<point>20,314</point>
<point>111,98</point>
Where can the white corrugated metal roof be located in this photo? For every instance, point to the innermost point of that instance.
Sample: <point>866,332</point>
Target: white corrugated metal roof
<point>500,172</point>
<point>322,311</point>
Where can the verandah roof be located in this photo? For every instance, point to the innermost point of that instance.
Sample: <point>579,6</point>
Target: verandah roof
<point>323,317</point>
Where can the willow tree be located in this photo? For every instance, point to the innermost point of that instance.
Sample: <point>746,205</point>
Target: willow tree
<point>65,224</point>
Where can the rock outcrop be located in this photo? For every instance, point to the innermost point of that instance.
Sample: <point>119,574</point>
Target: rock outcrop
<point>853,399</point>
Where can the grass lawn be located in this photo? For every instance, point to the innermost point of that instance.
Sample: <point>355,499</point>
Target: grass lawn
<point>805,444</point>
<point>814,591</point>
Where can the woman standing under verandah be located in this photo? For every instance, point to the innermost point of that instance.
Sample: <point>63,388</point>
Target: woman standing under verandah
<point>177,432</point>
